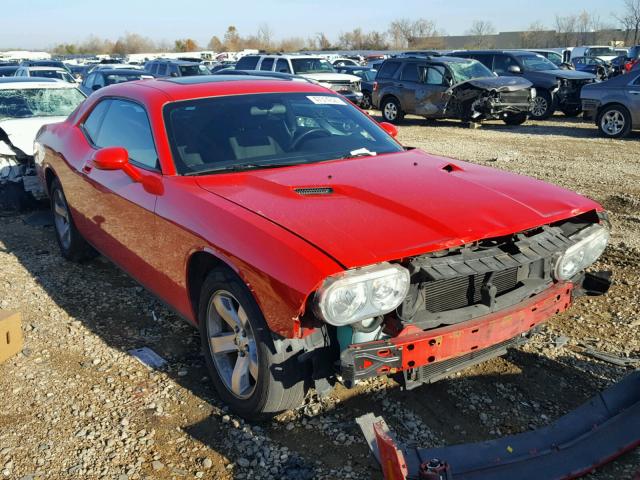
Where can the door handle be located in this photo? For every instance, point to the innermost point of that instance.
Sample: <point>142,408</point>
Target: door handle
<point>87,167</point>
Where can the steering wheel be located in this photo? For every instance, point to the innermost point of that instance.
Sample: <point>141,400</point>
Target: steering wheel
<point>305,136</point>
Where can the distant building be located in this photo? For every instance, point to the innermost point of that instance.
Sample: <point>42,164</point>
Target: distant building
<point>523,39</point>
<point>24,55</point>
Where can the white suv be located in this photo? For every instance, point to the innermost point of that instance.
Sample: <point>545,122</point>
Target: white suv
<point>312,67</point>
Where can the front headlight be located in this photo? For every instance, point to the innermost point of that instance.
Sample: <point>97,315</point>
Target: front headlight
<point>591,243</point>
<point>534,93</point>
<point>362,293</point>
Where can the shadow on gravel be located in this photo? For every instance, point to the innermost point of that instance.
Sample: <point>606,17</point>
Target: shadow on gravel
<point>522,390</point>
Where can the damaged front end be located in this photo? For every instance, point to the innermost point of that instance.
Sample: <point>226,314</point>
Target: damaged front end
<point>470,304</point>
<point>568,93</point>
<point>20,188</point>
<point>489,99</point>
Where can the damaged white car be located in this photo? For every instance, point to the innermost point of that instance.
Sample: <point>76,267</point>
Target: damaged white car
<point>26,104</point>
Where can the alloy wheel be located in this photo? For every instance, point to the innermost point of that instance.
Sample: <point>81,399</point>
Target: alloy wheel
<point>390,111</point>
<point>540,106</point>
<point>612,122</point>
<point>62,218</point>
<point>232,344</point>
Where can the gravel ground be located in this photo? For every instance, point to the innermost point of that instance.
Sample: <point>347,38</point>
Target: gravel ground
<point>77,405</point>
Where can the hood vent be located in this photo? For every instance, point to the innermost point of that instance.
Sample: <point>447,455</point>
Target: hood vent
<point>450,167</point>
<point>314,191</point>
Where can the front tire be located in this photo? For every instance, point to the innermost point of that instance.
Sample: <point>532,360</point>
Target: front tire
<point>543,105</point>
<point>614,121</point>
<point>391,110</point>
<point>72,245</point>
<point>253,374</point>
<point>515,119</point>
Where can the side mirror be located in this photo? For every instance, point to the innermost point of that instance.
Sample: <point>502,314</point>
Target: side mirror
<point>174,74</point>
<point>389,128</point>
<point>117,158</point>
<point>514,69</point>
<point>110,158</point>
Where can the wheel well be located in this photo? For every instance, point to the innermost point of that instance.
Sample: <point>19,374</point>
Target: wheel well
<point>198,267</point>
<point>48,177</point>
<point>607,105</point>
<point>387,97</point>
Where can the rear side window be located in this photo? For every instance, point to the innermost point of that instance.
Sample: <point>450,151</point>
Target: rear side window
<point>126,125</point>
<point>248,62</point>
<point>162,69</point>
<point>410,73</point>
<point>154,68</point>
<point>282,66</point>
<point>388,69</point>
<point>267,64</point>
<point>92,124</point>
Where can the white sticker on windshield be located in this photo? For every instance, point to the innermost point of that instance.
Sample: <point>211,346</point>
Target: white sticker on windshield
<point>326,100</point>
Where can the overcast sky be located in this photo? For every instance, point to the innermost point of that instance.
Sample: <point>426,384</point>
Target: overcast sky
<point>44,23</point>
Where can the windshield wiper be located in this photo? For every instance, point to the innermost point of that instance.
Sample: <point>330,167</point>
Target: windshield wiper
<point>361,152</point>
<point>242,167</point>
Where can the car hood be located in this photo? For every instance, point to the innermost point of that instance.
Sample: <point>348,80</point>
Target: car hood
<point>331,77</point>
<point>569,74</point>
<point>22,131</point>
<point>394,206</point>
<point>501,84</point>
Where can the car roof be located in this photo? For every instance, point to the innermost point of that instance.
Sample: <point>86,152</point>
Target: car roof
<point>203,86</point>
<point>171,60</point>
<point>121,71</point>
<point>513,52</point>
<point>33,82</point>
<point>45,69</point>
<point>437,58</point>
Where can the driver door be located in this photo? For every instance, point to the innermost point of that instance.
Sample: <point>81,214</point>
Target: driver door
<point>431,97</point>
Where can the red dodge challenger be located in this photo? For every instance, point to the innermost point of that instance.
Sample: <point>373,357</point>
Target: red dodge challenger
<point>305,242</point>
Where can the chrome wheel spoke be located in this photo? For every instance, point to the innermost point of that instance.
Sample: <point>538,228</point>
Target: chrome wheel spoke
<point>59,210</point>
<point>227,310</point>
<point>253,365</point>
<point>240,378</point>
<point>223,343</point>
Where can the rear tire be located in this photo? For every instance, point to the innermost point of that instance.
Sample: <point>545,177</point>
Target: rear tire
<point>72,245</point>
<point>367,102</point>
<point>253,374</point>
<point>515,119</point>
<point>543,105</point>
<point>391,110</point>
<point>614,121</point>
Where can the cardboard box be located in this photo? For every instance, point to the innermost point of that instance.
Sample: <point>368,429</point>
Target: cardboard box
<point>10,334</point>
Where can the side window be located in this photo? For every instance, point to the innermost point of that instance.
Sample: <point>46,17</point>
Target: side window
<point>126,125</point>
<point>388,69</point>
<point>99,80</point>
<point>173,71</point>
<point>154,68</point>
<point>267,64</point>
<point>637,81</point>
<point>410,73</point>
<point>435,75</point>
<point>88,82</point>
<point>248,62</point>
<point>92,123</point>
<point>502,63</point>
<point>162,69</point>
<point>282,66</point>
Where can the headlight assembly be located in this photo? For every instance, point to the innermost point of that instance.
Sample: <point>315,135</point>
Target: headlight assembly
<point>534,93</point>
<point>591,243</point>
<point>363,293</point>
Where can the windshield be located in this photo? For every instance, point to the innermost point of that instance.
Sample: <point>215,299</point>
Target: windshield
<point>311,65</point>
<point>121,78</point>
<point>366,75</point>
<point>39,102</point>
<point>191,70</point>
<point>536,63</point>
<point>463,71</point>
<point>555,58</point>
<point>600,51</point>
<point>57,74</point>
<point>265,130</point>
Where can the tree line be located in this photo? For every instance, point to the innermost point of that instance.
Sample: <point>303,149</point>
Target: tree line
<point>570,30</point>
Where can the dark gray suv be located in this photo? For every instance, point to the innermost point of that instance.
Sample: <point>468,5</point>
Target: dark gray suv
<point>446,87</point>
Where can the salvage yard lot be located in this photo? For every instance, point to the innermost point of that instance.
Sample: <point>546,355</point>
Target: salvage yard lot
<point>81,407</point>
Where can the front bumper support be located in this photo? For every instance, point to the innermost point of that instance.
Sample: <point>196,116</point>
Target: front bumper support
<point>414,348</point>
<point>593,434</point>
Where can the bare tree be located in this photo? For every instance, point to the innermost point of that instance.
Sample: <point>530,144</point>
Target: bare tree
<point>400,32</point>
<point>629,19</point>
<point>265,36</point>
<point>481,31</point>
<point>215,44</point>
<point>322,41</point>
<point>535,36</point>
<point>232,39</point>
<point>404,33</point>
<point>565,28</point>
